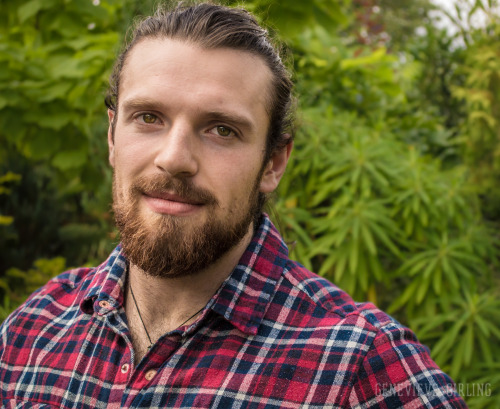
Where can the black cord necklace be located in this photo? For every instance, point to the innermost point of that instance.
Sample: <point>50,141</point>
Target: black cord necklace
<point>140,316</point>
<point>142,321</point>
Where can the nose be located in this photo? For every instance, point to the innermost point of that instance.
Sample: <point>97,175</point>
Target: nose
<point>177,154</point>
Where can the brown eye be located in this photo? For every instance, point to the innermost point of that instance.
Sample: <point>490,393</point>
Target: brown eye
<point>149,118</point>
<point>223,130</point>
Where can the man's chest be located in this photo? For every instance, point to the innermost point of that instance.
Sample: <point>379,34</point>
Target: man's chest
<point>90,365</point>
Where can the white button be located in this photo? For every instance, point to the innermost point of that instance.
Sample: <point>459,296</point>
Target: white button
<point>125,368</point>
<point>104,304</point>
<point>150,374</point>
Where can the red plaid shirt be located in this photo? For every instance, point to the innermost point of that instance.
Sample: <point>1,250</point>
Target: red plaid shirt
<point>274,336</point>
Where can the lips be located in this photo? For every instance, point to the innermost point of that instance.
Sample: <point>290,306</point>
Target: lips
<point>172,204</point>
<point>172,197</point>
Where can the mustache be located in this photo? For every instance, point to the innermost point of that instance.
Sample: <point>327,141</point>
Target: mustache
<point>181,187</point>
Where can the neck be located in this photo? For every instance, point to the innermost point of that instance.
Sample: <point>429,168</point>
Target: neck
<point>165,303</point>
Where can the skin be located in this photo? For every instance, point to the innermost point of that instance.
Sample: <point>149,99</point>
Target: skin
<point>189,112</point>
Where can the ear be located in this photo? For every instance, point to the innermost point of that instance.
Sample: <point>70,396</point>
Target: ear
<point>275,169</point>
<point>111,142</point>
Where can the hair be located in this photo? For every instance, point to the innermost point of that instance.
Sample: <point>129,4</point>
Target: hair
<point>214,26</point>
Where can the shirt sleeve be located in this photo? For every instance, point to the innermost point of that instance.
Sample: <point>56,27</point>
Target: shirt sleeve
<point>398,372</point>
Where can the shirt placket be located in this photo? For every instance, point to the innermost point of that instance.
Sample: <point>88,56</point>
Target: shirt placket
<point>131,383</point>
<point>111,314</point>
<point>148,372</point>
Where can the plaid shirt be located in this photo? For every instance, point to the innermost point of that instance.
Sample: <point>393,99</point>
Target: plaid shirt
<point>274,336</point>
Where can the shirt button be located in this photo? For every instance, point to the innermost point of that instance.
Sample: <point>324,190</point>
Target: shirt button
<point>104,304</point>
<point>150,374</point>
<point>125,368</point>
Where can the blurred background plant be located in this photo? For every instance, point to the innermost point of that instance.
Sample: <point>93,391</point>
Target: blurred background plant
<point>391,191</point>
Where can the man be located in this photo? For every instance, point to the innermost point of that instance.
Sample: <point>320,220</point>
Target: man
<point>199,306</point>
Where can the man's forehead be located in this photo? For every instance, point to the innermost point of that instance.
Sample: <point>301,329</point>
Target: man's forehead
<point>164,51</point>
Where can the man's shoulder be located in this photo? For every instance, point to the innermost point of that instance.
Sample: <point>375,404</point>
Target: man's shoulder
<point>337,302</point>
<point>62,294</point>
<point>68,280</point>
<point>313,300</point>
<point>65,289</point>
<point>84,281</point>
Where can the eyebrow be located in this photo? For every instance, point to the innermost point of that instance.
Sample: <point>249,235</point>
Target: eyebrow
<point>141,103</point>
<point>232,118</point>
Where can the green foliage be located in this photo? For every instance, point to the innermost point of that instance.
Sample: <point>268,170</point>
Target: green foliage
<point>390,191</point>
<point>379,199</point>
<point>17,284</point>
<point>472,330</point>
<point>55,57</point>
<point>291,17</point>
<point>481,127</point>
<point>4,179</point>
<point>56,64</point>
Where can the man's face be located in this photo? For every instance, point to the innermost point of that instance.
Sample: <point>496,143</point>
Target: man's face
<point>187,148</point>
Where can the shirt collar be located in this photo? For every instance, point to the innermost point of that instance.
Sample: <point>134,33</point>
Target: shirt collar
<point>245,295</point>
<point>107,284</point>
<point>242,299</point>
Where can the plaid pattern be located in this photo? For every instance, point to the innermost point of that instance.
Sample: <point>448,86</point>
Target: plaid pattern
<point>274,336</point>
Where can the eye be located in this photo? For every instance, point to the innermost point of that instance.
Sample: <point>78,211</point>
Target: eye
<point>222,130</point>
<point>148,118</point>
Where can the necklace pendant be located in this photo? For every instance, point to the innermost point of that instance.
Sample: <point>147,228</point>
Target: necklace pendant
<point>150,346</point>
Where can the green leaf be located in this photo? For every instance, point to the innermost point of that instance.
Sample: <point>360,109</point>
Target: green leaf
<point>69,159</point>
<point>437,281</point>
<point>450,274</point>
<point>353,256</point>
<point>341,266</point>
<point>422,290</point>
<point>479,321</point>
<point>486,349</point>
<point>54,91</point>
<point>3,102</point>
<point>368,239</point>
<point>10,177</point>
<point>6,220</point>
<point>373,58</point>
<point>327,264</point>
<point>381,234</point>
<point>469,344</point>
<point>29,9</point>
<point>431,267</point>
<point>43,144</point>
<point>449,338</point>
<point>403,299</point>
<point>458,356</point>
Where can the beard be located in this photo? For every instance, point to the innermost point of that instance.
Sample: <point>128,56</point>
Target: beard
<point>168,246</point>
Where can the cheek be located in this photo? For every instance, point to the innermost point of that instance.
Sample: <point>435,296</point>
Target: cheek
<point>132,154</point>
<point>131,159</point>
<point>236,178</point>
